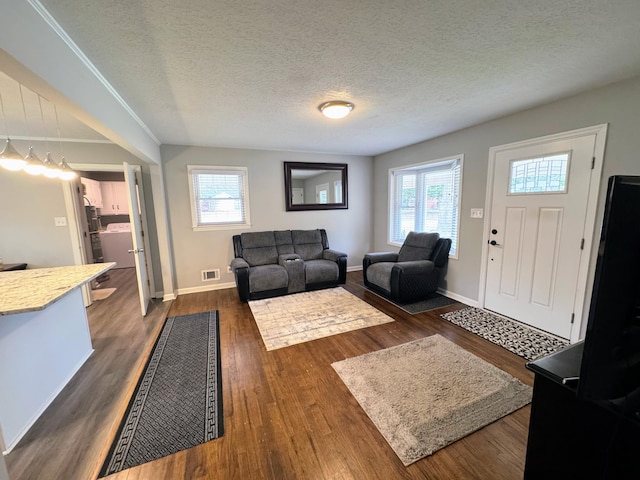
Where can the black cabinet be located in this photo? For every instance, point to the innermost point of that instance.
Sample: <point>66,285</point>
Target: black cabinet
<point>570,438</point>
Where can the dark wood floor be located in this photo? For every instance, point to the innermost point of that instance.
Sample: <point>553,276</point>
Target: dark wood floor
<point>287,414</point>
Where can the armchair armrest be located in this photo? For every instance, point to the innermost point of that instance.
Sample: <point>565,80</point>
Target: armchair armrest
<point>333,255</point>
<point>376,257</point>
<point>415,267</point>
<point>413,279</point>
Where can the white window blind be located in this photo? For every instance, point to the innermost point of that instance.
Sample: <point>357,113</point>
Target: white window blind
<point>219,196</point>
<point>426,198</point>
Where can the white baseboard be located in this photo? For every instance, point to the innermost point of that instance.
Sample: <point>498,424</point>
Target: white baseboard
<point>206,288</point>
<point>354,268</point>
<point>459,298</point>
<point>222,286</point>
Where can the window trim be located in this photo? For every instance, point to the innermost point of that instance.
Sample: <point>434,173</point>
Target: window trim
<point>231,170</point>
<point>419,166</point>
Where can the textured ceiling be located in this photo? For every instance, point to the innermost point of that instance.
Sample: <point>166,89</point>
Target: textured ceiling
<point>251,74</point>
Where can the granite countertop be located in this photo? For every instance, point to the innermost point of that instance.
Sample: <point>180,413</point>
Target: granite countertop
<point>31,290</point>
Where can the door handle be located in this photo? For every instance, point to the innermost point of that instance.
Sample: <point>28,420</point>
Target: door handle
<point>494,243</point>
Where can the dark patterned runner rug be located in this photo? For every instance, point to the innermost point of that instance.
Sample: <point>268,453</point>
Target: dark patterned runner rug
<point>177,403</point>
<point>516,337</point>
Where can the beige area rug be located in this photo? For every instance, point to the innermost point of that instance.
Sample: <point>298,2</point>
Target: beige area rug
<point>426,394</point>
<point>102,293</point>
<point>301,317</point>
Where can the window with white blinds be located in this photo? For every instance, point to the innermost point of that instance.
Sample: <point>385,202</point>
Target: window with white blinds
<point>426,198</point>
<point>219,197</point>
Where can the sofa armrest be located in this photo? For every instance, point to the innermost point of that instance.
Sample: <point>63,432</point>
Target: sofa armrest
<point>415,267</point>
<point>240,269</point>
<point>237,263</point>
<point>332,255</point>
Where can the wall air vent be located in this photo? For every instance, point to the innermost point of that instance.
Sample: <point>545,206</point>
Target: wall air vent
<point>209,275</point>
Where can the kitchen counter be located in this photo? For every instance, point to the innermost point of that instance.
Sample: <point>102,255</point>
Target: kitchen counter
<point>32,290</point>
<point>44,341</point>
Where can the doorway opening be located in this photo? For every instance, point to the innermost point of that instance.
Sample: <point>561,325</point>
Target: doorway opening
<point>107,203</point>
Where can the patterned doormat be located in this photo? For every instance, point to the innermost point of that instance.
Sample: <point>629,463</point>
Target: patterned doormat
<point>516,337</point>
<point>178,401</point>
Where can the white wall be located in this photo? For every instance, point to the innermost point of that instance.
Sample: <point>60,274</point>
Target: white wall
<point>348,230</point>
<point>617,104</point>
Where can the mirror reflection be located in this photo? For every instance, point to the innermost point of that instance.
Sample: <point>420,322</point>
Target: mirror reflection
<point>315,186</point>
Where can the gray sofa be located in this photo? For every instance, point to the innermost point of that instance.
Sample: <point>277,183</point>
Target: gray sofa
<point>273,263</point>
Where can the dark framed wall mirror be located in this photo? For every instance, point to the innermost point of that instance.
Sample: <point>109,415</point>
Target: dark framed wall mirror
<point>315,186</point>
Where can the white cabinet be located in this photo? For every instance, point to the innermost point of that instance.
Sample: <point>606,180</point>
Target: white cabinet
<point>92,192</point>
<point>114,198</point>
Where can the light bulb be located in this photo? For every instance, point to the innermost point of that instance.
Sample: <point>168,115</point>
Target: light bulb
<point>336,109</point>
<point>34,165</point>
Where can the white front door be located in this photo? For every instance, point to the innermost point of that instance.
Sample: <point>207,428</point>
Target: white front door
<point>132,180</point>
<point>537,229</point>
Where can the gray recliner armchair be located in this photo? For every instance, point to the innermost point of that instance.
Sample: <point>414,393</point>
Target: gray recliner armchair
<point>412,273</point>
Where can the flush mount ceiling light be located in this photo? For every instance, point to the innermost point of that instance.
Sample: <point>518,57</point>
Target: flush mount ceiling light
<point>336,109</point>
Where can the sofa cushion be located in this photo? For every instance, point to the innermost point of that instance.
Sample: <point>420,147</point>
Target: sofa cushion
<point>267,277</point>
<point>320,271</point>
<point>307,244</point>
<point>418,246</point>
<point>284,242</point>
<point>259,248</point>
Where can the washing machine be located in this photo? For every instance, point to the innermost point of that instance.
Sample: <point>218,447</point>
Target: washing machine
<point>116,242</point>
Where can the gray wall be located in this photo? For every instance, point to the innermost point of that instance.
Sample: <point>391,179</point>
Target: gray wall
<point>27,230</point>
<point>617,104</point>
<point>348,230</point>
<point>29,205</point>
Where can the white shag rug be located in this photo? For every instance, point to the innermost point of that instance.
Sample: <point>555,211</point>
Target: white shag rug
<point>426,394</point>
<point>306,316</point>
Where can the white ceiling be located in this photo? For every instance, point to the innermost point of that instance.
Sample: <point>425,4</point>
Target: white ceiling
<point>251,74</point>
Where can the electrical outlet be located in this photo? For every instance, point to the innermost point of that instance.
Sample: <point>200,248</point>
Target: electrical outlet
<point>60,221</point>
<point>477,213</point>
<point>228,268</point>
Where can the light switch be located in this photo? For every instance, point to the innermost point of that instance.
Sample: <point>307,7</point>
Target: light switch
<point>61,221</point>
<point>477,212</point>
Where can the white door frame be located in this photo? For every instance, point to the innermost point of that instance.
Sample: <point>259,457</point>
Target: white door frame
<point>99,167</point>
<point>583,294</point>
